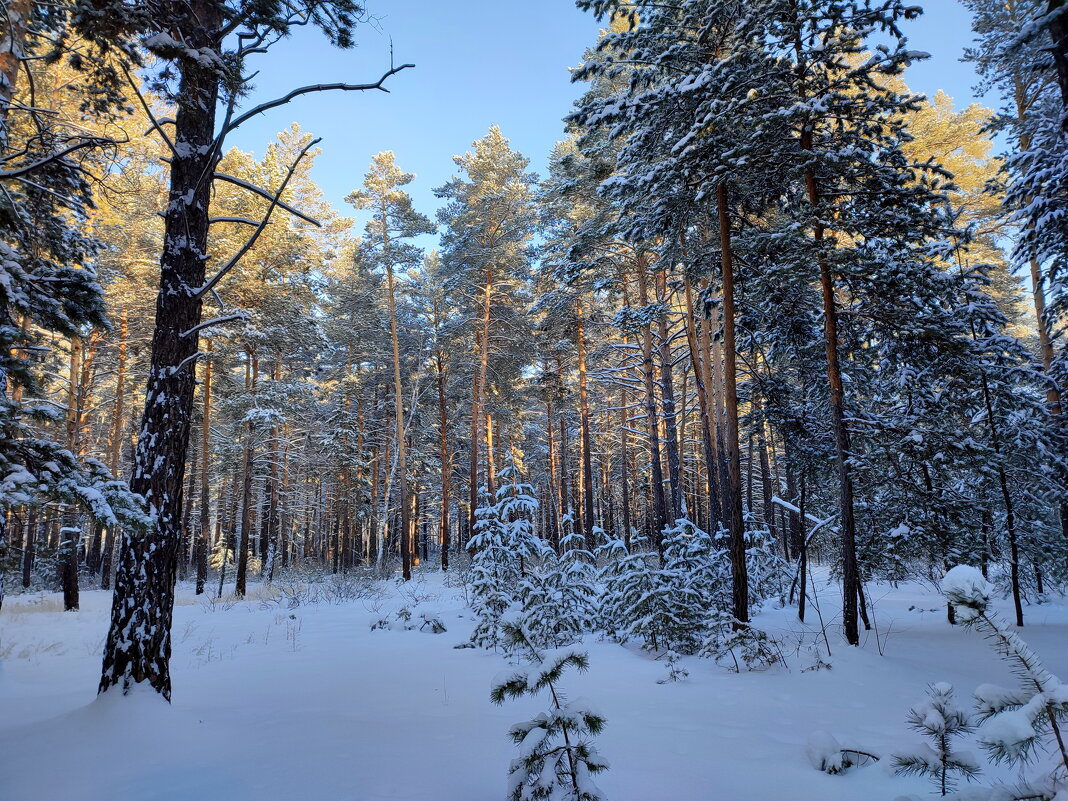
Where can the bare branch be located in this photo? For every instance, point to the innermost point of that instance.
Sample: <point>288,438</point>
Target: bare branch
<point>94,141</point>
<point>322,87</point>
<point>156,124</point>
<point>241,220</point>
<point>275,202</point>
<point>267,196</point>
<point>229,318</point>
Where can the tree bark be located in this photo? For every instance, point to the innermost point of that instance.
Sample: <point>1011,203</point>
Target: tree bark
<point>205,478</point>
<point>624,467</point>
<point>398,396</point>
<point>13,34</point>
<point>479,391</point>
<point>739,573</point>
<point>115,442</point>
<point>70,531</point>
<point>660,510</point>
<point>491,465</point>
<point>584,425</point>
<point>446,459</point>
<point>667,392</point>
<point>138,646</point>
<point>29,547</point>
<point>1058,33</point>
<point>765,471</point>
<point>241,579</point>
<point>702,372</point>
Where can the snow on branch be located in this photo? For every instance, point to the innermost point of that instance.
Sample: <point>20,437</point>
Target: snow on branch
<point>229,318</point>
<point>789,507</point>
<point>275,202</point>
<point>322,87</point>
<point>230,179</point>
<point>80,144</point>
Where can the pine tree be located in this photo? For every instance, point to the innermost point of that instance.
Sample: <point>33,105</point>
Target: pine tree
<point>557,595</point>
<point>557,757</point>
<point>941,721</point>
<point>198,63</point>
<point>1012,51</point>
<point>1015,723</point>
<point>393,220</point>
<point>501,548</point>
<point>488,225</point>
<point>48,273</point>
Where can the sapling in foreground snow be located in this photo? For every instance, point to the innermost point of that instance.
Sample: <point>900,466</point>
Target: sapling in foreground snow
<point>941,721</point>
<point>1018,724</point>
<point>556,759</point>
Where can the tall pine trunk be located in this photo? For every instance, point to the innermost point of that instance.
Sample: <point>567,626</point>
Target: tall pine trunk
<point>739,573</point>
<point>446,460</point>
<point>584,427</point>
<point>850,569</point>
<point>702,379</point>
<point>138,646</point>
<point>205,478</point>
<point>660,510</point>
<point>398,399</point>
<point>667,393</point>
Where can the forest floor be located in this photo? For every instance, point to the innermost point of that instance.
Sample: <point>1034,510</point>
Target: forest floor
<point>272,702</point>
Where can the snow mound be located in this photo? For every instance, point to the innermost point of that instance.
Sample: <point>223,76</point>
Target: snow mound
<point>824,752</point>
<point>965,586</point>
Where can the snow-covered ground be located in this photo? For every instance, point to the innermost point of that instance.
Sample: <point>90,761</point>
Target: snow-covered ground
<point>309,703</point>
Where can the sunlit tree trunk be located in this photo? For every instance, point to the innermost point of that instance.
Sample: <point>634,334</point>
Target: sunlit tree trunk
<point>205,477</point>
<point>660,510</point>
<point>586,444</point>
<point>241,579</point>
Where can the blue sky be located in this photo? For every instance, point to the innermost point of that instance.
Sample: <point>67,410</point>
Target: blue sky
<point>479,63</point>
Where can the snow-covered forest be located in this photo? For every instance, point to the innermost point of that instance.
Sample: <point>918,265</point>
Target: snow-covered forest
<point>727,453</point>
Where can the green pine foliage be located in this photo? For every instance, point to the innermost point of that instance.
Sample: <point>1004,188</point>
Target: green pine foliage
<point>557,758</point>
<point>941,722</point>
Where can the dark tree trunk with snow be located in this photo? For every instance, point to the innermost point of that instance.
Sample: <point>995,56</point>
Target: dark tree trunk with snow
<point>138,646</point>
<point>850,571</point>
<point>739,573</point>
<point>1058,32</point>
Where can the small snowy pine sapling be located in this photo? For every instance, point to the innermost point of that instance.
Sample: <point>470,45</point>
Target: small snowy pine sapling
<point>1016,723</point>
<point>495,571</point>
<point>666,607</point>
<point>750,645</point>
<point>676,672</point>
<point>557,597</point>
<point>556,757</point>
<point>941,721</point>
<point>612,578</point>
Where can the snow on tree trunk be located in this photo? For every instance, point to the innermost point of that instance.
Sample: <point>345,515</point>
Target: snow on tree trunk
<point>138,646</point>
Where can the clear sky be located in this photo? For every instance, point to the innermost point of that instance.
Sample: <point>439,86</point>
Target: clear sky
<point>479,63</point>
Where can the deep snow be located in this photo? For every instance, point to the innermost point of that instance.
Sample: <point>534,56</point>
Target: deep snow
<point>309,703</point>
